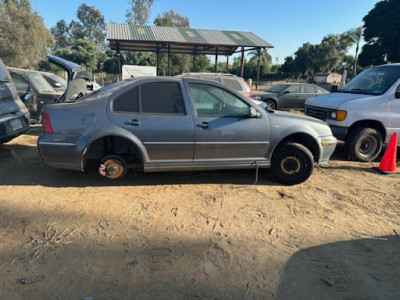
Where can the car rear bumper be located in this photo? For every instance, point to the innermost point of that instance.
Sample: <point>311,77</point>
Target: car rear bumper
<point>61,151</point>
<point>12,125</point>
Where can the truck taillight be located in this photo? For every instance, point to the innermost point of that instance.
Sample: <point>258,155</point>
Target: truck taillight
<point>46,123</point>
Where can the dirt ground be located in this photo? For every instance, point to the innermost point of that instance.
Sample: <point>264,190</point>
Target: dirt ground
<point>206,235</point>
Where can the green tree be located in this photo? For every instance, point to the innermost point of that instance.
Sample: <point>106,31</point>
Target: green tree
<point>382,33</point>
<point>82,52</point>
<point>92,22</point>
<point>171,19</point>
<point>60,34</point>
<point>139,11</point>
<point>328,54</point>
<point>90,25</point>
<point>179,62</point>
<point>262,59</point>
<point>23,37</point>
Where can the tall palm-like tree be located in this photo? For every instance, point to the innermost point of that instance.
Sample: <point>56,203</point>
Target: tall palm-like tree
<point>262,56</point>
<point>355,35</point>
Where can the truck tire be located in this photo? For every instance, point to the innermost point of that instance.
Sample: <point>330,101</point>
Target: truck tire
<point>292,163</point>
<point>364,144</point>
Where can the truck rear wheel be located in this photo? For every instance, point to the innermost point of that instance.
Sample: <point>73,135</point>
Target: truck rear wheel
<point>292,163</point>
<point>364,144</point>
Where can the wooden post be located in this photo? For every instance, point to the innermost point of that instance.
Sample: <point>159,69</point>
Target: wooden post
<point>242,63</point>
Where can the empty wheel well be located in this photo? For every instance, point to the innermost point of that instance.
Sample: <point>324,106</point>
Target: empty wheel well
<point>112,145</point>
<point>305,140</point>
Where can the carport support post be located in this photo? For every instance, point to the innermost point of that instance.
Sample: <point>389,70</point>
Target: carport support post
<point>216,59</point>
<point>169,60</point>
<point>227,64</point>
<point>119,63</point>
<point>242,63</point>
<point>194,61</point>
<point>158,62</point>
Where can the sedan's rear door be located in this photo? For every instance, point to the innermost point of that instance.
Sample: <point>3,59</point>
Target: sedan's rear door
<point>155,112</point>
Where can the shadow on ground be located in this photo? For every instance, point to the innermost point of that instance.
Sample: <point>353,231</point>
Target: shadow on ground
<point>359,269</point>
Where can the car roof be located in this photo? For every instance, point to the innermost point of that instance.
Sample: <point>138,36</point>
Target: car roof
<point>21,71</point>
<point>206,74</point>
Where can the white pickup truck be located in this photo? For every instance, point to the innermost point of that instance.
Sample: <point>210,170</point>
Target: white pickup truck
<point>364,113</point>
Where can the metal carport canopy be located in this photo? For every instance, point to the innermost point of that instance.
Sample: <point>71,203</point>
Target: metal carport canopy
<point>181,40</point>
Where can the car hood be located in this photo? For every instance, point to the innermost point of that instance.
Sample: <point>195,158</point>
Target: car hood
<point>79,79</point>
<point>283,116</point>
<point>285,122</point>
<point>334,100</point>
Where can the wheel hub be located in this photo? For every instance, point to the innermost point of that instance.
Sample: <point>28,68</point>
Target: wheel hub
<point>290,165</point>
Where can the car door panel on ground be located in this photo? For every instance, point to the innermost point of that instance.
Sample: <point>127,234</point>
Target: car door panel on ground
<point>147,109</point>
<point>223,126</point>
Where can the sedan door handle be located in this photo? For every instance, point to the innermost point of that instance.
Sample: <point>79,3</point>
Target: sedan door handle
<point>203,125</point>
<point>132,122</point>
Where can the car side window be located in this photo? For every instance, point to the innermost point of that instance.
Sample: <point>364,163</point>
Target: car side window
<point>210,100</point>
<point>319,91</point>
<point>156,97</point>
<point>307,89</point>
<point>20,83</point>
<point>127,102</point>
<point>293,89</point>
<point>162,98</point>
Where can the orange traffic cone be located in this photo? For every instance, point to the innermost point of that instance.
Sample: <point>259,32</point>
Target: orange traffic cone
<point>388,162</point>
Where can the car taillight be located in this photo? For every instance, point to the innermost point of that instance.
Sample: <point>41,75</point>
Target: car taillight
<point>46,123</point>
<point>251,92</point>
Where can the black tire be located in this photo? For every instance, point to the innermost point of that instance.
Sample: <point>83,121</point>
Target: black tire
<point>292,163</point>
<point>113,167</point>
<point>270,104</point>
<point>364,144</point>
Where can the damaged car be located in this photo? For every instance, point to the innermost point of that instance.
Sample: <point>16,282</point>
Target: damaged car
<point>14,116</point>
<point>159,124</point>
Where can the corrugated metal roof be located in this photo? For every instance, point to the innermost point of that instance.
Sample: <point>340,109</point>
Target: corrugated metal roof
<point>180,40</point>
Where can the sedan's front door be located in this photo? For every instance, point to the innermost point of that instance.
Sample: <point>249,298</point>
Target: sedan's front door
<point>289,97</point>
<point>225,131</point>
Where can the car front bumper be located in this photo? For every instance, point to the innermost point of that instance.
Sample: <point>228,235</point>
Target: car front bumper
<point>327,147</point>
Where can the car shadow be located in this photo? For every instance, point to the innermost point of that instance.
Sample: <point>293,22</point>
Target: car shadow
<point>357,269</point>
<point>22,165</point>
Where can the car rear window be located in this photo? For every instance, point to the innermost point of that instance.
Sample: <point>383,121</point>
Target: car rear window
<point>232,83</point>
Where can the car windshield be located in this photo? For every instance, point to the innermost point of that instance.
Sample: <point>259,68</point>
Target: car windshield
<point>39,83</point>
<point>374,81</point>
<point>276,88</point>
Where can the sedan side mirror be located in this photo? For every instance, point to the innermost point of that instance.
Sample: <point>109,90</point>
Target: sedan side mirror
<point>254,113</point>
